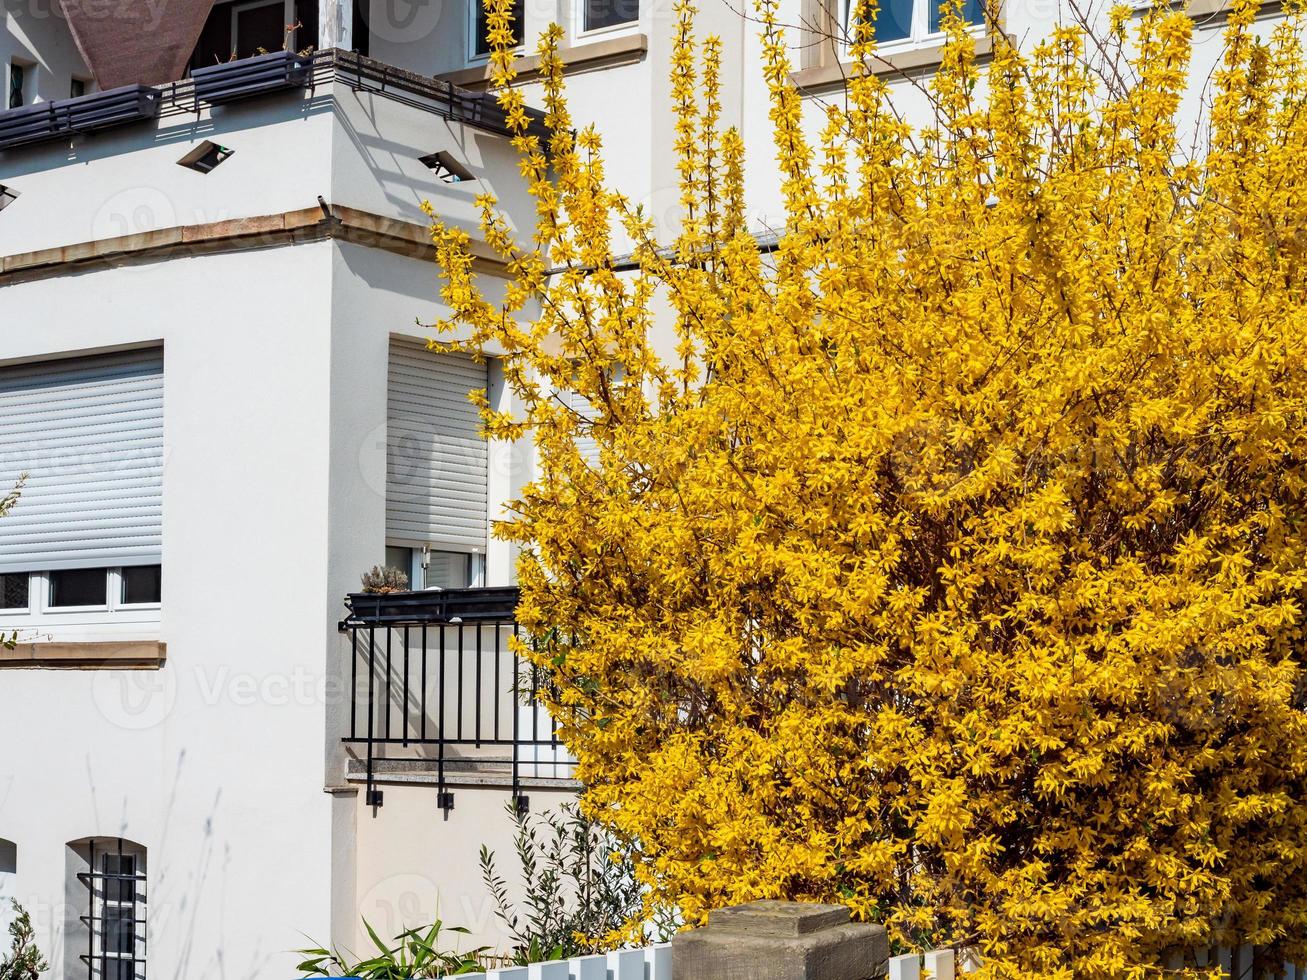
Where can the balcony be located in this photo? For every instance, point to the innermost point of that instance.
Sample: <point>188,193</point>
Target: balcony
<point>438,694</point>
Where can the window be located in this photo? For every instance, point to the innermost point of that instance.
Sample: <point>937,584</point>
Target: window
<point>85,537</point>
<point>260,26</point>
<point>141,585</point>
<point>437,464</point>
<point>18,81</point>
<point>481,29</point>
<point>39,595</point>
<point>14,590</point>
<point>427,568</point>
<point>111,906</point>
<point>905,22</point>
<point>77,88</point>
<point>602,15</point>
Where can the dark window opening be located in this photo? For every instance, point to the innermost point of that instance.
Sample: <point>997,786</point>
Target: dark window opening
<point>359,30</point>
<point>517,12</point>
<point>445,167</point>
<point>257,25</point>
<point>258,29</point>
<point>79,587</point>
<point>13,590</point>
<point>142,583</point>
<point>77,88</point>
<point>600,14</point>
<point>17,82</point>
<point>205,157</point>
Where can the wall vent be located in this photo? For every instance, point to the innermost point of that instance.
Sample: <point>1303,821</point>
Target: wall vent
<point>445,167</point>
<point>205,157</point>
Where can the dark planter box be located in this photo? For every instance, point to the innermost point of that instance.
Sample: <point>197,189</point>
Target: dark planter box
<point>85,114</point>
<point>496,604</point>
<point>250,77</point>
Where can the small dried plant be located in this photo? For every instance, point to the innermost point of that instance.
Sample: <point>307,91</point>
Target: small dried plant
<point>384,578</point>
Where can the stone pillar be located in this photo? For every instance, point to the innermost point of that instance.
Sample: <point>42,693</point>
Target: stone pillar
<point>781,941</point>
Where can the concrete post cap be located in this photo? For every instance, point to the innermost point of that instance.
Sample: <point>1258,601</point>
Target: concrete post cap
<point>770,917</point>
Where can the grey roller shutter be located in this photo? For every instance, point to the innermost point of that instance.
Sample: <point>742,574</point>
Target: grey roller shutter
<point>585,441</point>
<point>88,431</point>
<point>436,460</point>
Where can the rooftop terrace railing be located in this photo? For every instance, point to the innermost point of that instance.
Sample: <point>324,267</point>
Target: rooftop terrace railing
<point>258,77</point>
<point>437,688</point>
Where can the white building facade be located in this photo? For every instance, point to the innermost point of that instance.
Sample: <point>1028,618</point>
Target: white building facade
<point>212,374</point>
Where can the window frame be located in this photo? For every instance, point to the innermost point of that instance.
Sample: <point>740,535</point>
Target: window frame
<point>40,613</point>
<point>97,904</point>
<point>919,35</point>
<point>475,57</point>
<point>26,87</point>
<point>581,33</point>
<point>287,18</point>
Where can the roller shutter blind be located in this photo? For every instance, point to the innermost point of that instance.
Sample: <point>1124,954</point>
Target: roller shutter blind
<point>88,431</point>
<point>436,460</point>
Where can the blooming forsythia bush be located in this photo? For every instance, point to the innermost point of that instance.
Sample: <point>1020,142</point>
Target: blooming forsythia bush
<point>949,559</point>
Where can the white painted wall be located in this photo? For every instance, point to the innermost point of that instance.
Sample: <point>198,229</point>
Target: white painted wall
<point>210,762</point>
<point>274,497</point>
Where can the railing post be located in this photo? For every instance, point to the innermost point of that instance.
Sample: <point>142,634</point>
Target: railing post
<point>372,795</point>
<point>772,940</point>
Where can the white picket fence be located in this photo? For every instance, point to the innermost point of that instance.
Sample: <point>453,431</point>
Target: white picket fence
<point>650,963</point>
<point>945,964</point>
<point>655,963</point>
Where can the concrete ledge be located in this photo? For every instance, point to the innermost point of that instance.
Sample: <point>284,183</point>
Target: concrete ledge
<point>97,655</point>
<point>265,231</point>
<point>829,77</point>
<point>467,773</point>
<point>605,53</point>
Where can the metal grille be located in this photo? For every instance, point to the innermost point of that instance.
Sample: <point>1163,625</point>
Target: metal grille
<point>436,686</point>
<point>115,918</point>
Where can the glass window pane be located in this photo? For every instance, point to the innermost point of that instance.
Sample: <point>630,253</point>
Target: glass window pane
<point>894,20</point>
<point>448,570</point>
<point>609,13</point>
<point>79,587</point>
<point>973,12</point>
<point>482,45</point>
<point>143,583</point>
<point>13,590</point>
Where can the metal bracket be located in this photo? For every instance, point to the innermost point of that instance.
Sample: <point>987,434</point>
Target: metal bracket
<point>374,797</point>
<point>521,805</point>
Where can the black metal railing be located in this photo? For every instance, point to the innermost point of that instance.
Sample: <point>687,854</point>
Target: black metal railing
<point>436,686</point>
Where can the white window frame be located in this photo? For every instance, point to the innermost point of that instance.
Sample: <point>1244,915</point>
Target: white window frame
<point>287,17</point>
<point>582,34</point>
<point>417,573</point>
<point>919,36</point>
<point>475,57</point>
<point>40,614</point>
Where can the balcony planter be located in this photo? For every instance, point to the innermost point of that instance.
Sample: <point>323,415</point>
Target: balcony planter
<point>485,605</point>
<point>250,77</point>
<point>84,114</point>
